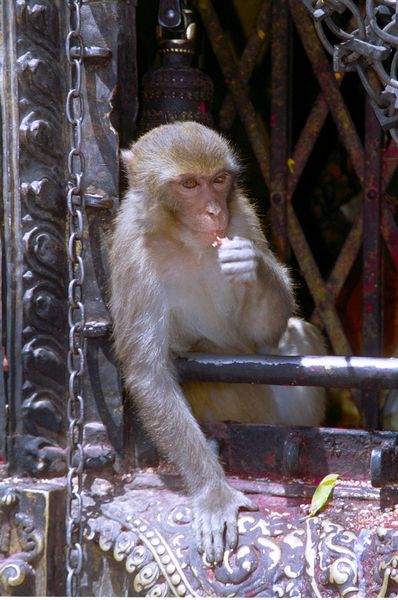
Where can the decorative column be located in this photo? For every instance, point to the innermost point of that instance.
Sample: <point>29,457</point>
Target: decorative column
<point>34,232</point>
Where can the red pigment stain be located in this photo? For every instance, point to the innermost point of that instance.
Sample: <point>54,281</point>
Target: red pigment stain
<point>202,107</point>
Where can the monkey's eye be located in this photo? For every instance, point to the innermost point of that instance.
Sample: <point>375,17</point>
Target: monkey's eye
<point>221,178</point>
<point>190,183</point>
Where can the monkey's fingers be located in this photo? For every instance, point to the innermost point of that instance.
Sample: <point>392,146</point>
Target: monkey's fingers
<point>209,534</point>
<point>238,268</point>
<point>231,534</point>
<point>245,272</point>
<point>237,243</point>
<point>217,528</point>
<point>209,538</point>
<point>198,532</point>
<point>208,547</point>
<point>237,255</point>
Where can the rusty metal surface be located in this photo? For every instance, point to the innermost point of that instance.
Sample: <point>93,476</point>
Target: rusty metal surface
<point>330,88</point>
<point>307,453</point>
<point>234,80</point>
<point>388,226</point>
<point>138,540</point>
<point>279,120</point>
<point>341,268</point>
<point>257,42</point>
<point>389,230</point>
<point>372,308</point>
<point>314,280</point>
<point>327,83</point>
<point>308,138</point>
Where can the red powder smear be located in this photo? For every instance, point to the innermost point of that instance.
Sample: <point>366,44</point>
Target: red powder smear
<point>202,107</point>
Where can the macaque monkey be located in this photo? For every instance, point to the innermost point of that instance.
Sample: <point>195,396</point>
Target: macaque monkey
<point>191,270</point>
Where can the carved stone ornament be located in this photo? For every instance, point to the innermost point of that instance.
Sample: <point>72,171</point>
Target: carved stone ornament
<point>34,92</point>
<point>40,79</point>
<point>21,544</point>
<point>350,549</point>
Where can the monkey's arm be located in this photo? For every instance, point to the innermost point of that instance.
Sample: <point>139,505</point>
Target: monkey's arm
<point>141,341</point>
<point>268,299</point>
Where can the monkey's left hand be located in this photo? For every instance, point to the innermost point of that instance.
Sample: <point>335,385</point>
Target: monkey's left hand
<point>238,259</point>
<point>215,517</point>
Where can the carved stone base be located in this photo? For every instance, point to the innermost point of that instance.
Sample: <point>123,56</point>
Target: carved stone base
<point>140,543</point>
<point>32,538</point>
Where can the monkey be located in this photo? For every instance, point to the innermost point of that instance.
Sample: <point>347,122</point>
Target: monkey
<point>191,270</point>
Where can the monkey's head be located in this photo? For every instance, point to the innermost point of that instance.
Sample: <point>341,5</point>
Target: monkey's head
<point>187,170</point>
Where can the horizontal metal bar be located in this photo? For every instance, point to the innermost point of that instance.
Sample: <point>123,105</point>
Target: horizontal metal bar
<point>98,329</point>
<point>92,53</point>
<point>96,201</point>
<point>324,371</point>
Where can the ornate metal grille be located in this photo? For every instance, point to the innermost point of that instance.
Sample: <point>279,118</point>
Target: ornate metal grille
<point>284,156</point>
<point>368,44</point>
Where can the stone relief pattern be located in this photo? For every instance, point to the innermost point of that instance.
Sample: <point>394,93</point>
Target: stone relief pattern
<point>277,556</point>
<point>41,83</point>
<point>21,545</point>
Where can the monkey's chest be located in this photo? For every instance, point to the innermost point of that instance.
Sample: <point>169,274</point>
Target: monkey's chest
<point>203,314</point>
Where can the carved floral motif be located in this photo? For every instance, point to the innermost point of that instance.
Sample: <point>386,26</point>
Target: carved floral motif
<point>40,87</point>
<point>386,574</point>
<point>348,550</point>
<point>20,544</point>
<point>337,558</point>
<point>278,555</point>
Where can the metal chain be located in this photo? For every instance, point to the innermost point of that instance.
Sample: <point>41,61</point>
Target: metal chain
<point>76,317</point>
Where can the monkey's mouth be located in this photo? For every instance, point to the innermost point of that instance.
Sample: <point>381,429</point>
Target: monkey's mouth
<point>218,233</point>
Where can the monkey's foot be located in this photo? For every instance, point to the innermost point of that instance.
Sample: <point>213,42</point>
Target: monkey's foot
<point>215,516</point>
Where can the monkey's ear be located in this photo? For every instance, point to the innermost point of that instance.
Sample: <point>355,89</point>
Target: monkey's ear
<point>127,160</point>
<point>126,156</point>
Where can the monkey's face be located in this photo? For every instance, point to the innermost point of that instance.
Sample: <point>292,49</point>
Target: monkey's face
<point>200,202</point>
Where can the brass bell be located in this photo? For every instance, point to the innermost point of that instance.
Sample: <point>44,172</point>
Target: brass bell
<point>175,91</point>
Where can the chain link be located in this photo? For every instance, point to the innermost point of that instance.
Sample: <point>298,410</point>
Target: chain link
<point>74,109</point>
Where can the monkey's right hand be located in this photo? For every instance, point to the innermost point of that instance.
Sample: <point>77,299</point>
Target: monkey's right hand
<point>215,519</point>
<point>238,259</point>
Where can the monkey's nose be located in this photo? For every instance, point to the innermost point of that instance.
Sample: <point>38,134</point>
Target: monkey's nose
<point>213,211</point>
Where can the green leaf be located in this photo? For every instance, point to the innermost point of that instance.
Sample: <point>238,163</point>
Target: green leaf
<point>322,493</point>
